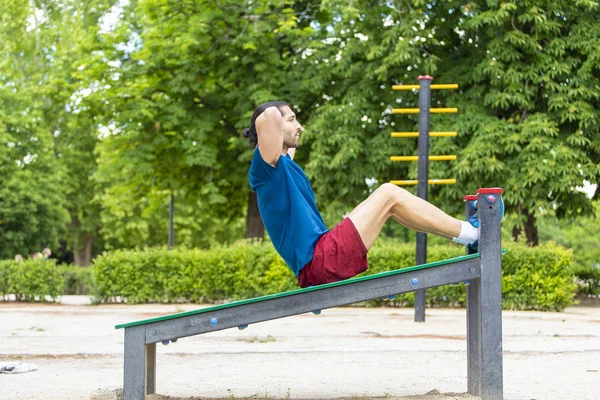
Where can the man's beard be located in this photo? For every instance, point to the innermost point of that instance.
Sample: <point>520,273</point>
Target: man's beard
<point>291,141</point>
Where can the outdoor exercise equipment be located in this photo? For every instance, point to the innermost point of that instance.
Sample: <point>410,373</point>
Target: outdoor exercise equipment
<point>423,159</point>
<point>484,310</point>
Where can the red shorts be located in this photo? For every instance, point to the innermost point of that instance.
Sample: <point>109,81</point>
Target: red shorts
<point>339,254</point>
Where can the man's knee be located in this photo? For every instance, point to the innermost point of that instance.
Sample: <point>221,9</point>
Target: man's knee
<point>393,192</point>
<point>392,195</point>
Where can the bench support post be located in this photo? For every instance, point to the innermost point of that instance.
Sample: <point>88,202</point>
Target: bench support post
<point>140,364</point>
<point>474,338</point>
<point>151,368</point>
<point>473,324</point>
<point>490,312</point>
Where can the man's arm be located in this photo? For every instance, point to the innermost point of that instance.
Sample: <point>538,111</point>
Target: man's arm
<point>269,126</point>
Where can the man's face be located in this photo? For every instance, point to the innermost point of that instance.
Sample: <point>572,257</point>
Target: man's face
<point>291,128</point>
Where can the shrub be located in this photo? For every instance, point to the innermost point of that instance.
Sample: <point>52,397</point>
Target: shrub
<point>540,278</point>
<point>31,280</point>
<point>77,280</point>
<point>5,273</point>
<point>238,271</point>
<point>588,279</point>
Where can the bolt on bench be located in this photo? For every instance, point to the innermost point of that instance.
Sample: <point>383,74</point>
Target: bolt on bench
<point>484,309</point>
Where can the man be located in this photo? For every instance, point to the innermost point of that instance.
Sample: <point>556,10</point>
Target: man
<point>47,253</point>
<point>287,206</point>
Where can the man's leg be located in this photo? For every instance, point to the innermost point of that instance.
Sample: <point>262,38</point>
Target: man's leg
<point>411,211</point>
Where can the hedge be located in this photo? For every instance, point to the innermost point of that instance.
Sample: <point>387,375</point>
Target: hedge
<point>588,280</point>
<point>77,280</point>
<point>223,273</point>
<point>31,280</point>
<point>539,278</point>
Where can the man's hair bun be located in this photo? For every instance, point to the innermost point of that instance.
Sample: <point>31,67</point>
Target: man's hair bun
<point>250,133</point>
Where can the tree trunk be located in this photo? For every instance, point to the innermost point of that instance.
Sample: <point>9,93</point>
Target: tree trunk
<point>516,232</point>
<point>171,218</point>
<point>255,229</point>
<point>82,256</point>
<point>531,232</point>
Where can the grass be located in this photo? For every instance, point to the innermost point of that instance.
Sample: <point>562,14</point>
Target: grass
<point>35,328</point>
<point>256,339</point>
<point>261,395</point>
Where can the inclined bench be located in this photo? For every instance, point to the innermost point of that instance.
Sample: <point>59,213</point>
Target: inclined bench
<point>484,309</point>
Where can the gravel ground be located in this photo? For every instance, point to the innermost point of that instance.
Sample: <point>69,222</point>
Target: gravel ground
<point>351,353</point>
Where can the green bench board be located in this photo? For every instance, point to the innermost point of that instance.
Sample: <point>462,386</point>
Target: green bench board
<point>298,291</point>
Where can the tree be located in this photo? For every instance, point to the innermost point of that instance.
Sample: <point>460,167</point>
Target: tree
<point>530,79</point>
<point>109,121</point>
<point>60,46</point>
<point>356,53</point>
<point>528,102</point>
<point>32,203</point>
<point>580,234</point>
<point>186,87</point>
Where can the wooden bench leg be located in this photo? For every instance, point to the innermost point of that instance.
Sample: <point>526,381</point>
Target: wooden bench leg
<point>135,367</point>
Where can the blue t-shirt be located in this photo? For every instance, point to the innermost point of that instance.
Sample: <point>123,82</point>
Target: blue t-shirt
<point>287,206</point>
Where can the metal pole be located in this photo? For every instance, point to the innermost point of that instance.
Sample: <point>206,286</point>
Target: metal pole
<point>423,176</point>
<point>135,364</point>
<point>473,321</point>
<point>171,216</point>
<point>490,246</point>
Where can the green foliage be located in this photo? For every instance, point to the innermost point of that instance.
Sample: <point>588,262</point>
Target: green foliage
<point>582,236</point>
<point>533,279</point>
<point>47,127</point>
<point>588,280</point>
<point>32,212</point>
<point>6,268</point>
<point>539,278</point>
<point>529,78</point>
<point>222,273</point>
<point>31,280</point>
<point>100,123</point>
<point>388,255</point>
<point>77,280</point>
<point>179,96</point>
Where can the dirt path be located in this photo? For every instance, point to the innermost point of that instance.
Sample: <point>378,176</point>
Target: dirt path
<point>351,353</point>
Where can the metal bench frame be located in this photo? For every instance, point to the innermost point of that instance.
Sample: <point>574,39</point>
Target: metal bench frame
<point>484,310</point>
